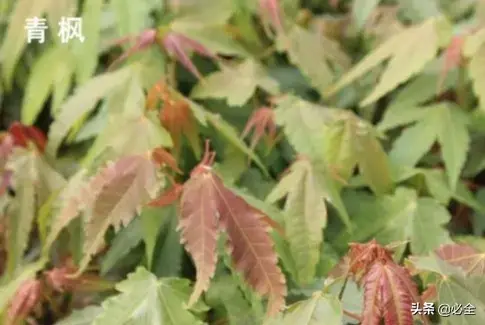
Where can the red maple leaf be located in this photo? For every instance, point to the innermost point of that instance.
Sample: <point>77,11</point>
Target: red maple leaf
<point>178,45</point>
<point>168,197</point>
<point>466,257</point>
<point>388,294</point>
<point>175,116</point>
<point>208,207</point>
<point>142,41</point>
<point>262,122</point>
<point>24,301</point>
<point>175,44</point>
<point>61,279</point>
<point>389,290</point>
<point>164,158</point>
<point>23,134</point>
<point>452,58</point>
<point>271,16</point>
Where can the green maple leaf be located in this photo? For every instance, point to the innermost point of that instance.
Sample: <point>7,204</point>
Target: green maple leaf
<point>15,39</point>
<point>317,57</point>
<point>305,216</point>
<point>82,102</point>
<point>236,84</point>
<point>319,309</point>
<point>34,180</point>
<point>350,141</point>
<point>51,72</point>
<point>84,316</point>
<point>125,110</point>
<point>145,300</point>
<point>453,288</point>
<point>400,217</point>
<point>304,125</point>
<point>226,292</point>
<point>407,55</point>
<point>443,122</point>
<point>474,49</point>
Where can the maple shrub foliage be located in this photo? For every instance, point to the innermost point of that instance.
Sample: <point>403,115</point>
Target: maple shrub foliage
<point>243,162</point>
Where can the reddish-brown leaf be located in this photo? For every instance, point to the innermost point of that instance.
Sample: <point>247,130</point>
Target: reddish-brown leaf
<point>251,247</point>
<point>6,147</point>
<point>178,45</point>
<point>112,198</point>
<point>164,158</point>
<point>430,294</point>
<point>463,256</point>
<point>168,197</point>
<point>452,58</point>
<point>389,294</point>
<point>205,203</point>
<point>198,223</point>
<point>175,116</point>
<point>363,256</point>
<point>60,279</point>
<point>142,41</point>
<point>22,134</point>
<point>271,16</point>
<point>262,122</point>
<point>24,301</point>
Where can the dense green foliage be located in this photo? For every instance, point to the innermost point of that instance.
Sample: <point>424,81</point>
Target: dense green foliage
<point>243,162</point>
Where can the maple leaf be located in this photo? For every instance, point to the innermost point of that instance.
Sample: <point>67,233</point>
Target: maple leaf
<point>207,204</point>
<point>431,123</point>
<point>405,61</point>
<point>163,158</point>
<point>452,58</point>
<point>175,115</point>
<point>263,122</point>
<point>389,294</point>
<point>113,196</point>
<point>305,215</point>
<point>26,298</point>
<point>271,16</point>
<point>389,290</point>
<point>177,45</point>
<point>142,41</point>
<point>198,223</point>
<point>18,135</point>
<point>463,256</point>
<point>22,134</point>
<point>60,279</point>
<point>168,197</point>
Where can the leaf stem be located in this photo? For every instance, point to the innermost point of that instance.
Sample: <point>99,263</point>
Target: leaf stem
<point>353,315</point>
<point>341,293</point>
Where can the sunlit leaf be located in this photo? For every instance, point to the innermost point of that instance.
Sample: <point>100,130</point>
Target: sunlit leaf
<point>316,310</point>
<point>112,198</point>
<point>16,39</point>
<point>51,72</point>
<point>145,300</point>
<point>82,102</point>
<point>466,257</point>
<point>305,216</point>
<point>83,316</point>
<point>248,241</point>
<point>433,123</point>
<point>407,56</point>
<point>235,84</point>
